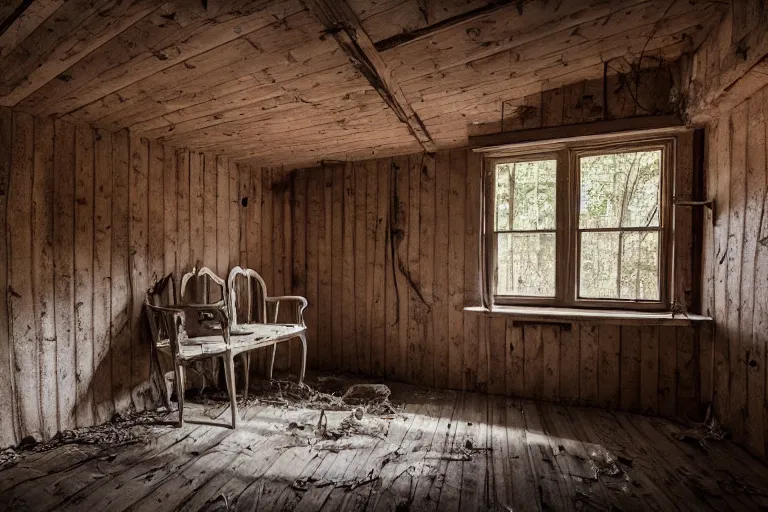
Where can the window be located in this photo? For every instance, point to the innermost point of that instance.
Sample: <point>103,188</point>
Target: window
<point>581,226</point>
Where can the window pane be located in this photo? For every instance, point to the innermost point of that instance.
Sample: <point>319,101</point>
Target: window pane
<point>640,265</point>
<point>599,265</point>
<point>620,190</point>
<point>525,195</point>
<point>526,264</point>
<point>634,276</point>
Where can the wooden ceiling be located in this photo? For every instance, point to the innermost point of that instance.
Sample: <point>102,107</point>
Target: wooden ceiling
<point>297,81</point>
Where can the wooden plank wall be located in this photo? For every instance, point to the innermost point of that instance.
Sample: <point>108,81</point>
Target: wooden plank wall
<point>89,219</point>
<point>386,253</point>
<point>735,269</point>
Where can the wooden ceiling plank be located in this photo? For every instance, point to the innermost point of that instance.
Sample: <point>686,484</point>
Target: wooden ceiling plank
<point>245,56</point>
<point>538,23</point>
<point>502,74</point>
<point>255,102</point>
<point>566,45</point>
<point>241,19</point>
<point>19,27</point>
<point>315,130</point>
<point>283,118</point>
<point>343,24</point>
<point>77,29</point>
<point>163,26</point>
<point>384,19</point>
<point>402,38</point>
<point>188,103</point>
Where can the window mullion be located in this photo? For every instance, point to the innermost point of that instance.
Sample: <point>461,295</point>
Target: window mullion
<point>562,214</point>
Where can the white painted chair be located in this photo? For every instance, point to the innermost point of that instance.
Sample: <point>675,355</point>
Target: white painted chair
<point>254,316</point>
<point>185,333</point>
<point>203,287</point>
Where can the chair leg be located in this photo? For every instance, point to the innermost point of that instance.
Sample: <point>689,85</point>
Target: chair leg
<point>180,385</point>
<point>246,372</point>
<point>229,374</point>
<point>272,360</point>
<point>303,338</point>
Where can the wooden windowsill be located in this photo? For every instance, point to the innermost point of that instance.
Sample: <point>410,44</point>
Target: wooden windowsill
<point>597,316</point>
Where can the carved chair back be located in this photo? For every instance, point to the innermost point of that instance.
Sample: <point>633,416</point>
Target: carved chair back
<point>203,286</point>
<point>247,297</point>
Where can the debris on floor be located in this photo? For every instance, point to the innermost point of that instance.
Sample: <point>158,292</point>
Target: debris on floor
<point>121,430</point>
<point>362,399</point>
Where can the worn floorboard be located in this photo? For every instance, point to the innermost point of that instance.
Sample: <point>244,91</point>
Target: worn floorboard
<point>445,451</point>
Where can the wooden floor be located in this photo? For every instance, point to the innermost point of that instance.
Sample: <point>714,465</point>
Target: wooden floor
<point>445,452</point>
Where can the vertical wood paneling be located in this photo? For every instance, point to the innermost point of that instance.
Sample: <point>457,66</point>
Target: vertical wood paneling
<point>401,197</point>
<point>378,319</point>
<point>425,329</point>
<point>737,396</point>
<point>389,202</point>
<point>120,324</point>
<point>472,295</point>
<point>324,271</point>
<point>550,339</point>
<point>630,367</point>
<point>314,198</point>
<point>371,205</point>
<point>196,212</point>
<point>337,264</point>
<point>8,422</point>
<point>234,215</point>
<point>348,309</point>
<point>84,274</point>
<point>138,260</point>
<point>758,376</point>
<point>64,269</point>
<point>299,237</point>
<point>90,219</point>
<point>20,301</point>
<point>455,267</point>
<point>534,361</point>
<point>609,365</point>
<point>102,277</point>
<point>43,273</point>
<point>752,287</point>
<point>588,372</point>
<point>362,341</point>
<point>441,298</point>
<point>515,360</point>
<point>155,213</point>
<point>222,217</point>
<point>497,339</point>
<point>170,213</point>
<point>183,214</point>
<point>735,274</point>
<point>649,370</point>
<point>415,324</point>
<point>667,367</point>
<point>569,363</point>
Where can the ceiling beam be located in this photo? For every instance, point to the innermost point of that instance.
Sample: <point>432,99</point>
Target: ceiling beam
<point>466,17</point>
<point>9,14</point>
<point>341,22</point>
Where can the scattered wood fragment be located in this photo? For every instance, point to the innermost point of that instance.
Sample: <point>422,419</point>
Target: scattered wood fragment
<point>122,430</point>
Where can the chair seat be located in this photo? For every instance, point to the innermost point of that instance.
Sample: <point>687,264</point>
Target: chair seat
<point>245,337</point>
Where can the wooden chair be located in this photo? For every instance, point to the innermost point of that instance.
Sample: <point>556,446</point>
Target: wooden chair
<point>161,293</point>
<point>184,333</point>
<point>204,287</point>
<point>255,313</point>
